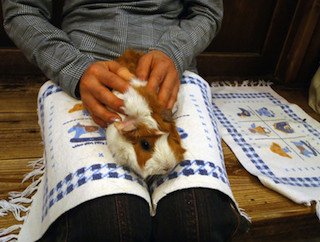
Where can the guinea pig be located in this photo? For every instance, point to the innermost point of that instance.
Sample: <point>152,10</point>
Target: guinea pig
<point>146,139</point>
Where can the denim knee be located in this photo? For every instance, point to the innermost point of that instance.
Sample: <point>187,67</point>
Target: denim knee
<point>197,214</point>
<point>119,217</point>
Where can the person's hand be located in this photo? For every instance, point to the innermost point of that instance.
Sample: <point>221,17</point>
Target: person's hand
<point>162,75</point>
<point>95,85</point>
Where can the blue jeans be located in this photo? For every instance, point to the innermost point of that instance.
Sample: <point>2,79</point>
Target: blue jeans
<point>195,214</point>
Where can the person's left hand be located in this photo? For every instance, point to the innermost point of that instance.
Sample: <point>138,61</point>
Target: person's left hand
<point>162,75</point>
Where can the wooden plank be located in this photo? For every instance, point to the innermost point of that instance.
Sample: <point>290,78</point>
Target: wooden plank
<point>19,94</point>
<point>20,136</point>
<point>18,121</point>
<point>301,32</point>
<point>14,169</point>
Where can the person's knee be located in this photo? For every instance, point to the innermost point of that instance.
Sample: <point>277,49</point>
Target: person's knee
<point>196,214</point>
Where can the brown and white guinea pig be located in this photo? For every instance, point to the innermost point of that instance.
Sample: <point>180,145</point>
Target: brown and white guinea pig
<point>146,140</point>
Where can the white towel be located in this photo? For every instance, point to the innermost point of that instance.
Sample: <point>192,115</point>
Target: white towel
<point>273,139</point>
<point>78,166</point>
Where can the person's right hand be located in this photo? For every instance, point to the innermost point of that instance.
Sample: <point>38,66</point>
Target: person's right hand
<point>95,85</point>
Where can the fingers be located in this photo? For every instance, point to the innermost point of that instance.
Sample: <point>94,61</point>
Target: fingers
<point>162,76</point>
<point>106,73</point>
<point>125,74</point>
<point>169,89</point>
<point>144,67</point>
<point>99,113</point>
<point>95,93</point>
<point>174,95</point>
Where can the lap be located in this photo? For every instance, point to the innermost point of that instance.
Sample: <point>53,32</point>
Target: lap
<point>195,214</point>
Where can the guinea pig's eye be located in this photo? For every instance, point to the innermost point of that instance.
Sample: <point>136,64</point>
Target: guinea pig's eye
<point>145,145</point>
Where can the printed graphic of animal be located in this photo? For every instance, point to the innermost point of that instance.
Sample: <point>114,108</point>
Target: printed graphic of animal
<point>80,130</point>
<point>276,148</point>
<point>265,112</point>
<point>258,129</point>
<point>244,113</point>
<point>283,127</point>
<point>305,148</point>
<point>79,107</point>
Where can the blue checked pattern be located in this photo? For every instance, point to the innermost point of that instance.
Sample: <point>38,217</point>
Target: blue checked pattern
<point>83,176</point>
<point>191,168</point>
<point>250,151</point>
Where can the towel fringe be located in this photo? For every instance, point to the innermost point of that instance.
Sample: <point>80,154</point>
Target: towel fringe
<point>245,215</point>
<point>16,199</point>
<point>244,83</point>
<point>15,208</point>
<point>10,237</point>
<point>10,229</point>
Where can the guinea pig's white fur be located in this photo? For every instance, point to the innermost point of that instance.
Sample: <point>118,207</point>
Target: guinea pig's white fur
<point>163,158</point>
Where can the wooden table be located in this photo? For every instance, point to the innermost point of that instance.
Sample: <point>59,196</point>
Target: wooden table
<point>274,217</point>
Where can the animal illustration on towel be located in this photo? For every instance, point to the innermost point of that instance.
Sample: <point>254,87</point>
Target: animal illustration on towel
<point>146,139</point>
<point>258,129</point>
<point>265,112</point>
<point>244,113</point>
<point>276,148</point>
<point>79,107</point>
<point>305,148</point>
<point>283,127</point>
<point>81,130</point>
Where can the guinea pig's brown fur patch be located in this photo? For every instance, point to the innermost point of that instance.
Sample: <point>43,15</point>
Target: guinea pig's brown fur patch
<point>130,59</point>
<point>141,134</point>
<point>165,126</point>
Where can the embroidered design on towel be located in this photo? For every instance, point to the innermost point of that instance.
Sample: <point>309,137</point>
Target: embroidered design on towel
<point>244,113</point>
<point>259,129</point>
<point>80,130</point>
<point>276,148</point>
<point>306,148</point>
<point>283,127</point>
<point>79,107</point>
<point>279,130</point>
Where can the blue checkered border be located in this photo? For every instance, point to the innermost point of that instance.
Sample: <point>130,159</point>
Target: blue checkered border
<point>83,176</point>
<point>249,150</point>
<point>190,168</point>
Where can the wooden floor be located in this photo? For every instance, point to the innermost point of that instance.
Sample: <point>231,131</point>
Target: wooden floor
<point>274,217</point>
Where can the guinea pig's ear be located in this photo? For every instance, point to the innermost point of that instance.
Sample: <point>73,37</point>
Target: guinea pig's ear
<point>166,115</point>
<point>126,125</point>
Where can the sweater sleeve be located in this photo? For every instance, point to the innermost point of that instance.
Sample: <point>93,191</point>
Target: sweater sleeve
<point>49,48</point>
<point>196,29</point>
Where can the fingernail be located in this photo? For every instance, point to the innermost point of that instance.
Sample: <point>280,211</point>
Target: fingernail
<point>115,119</point>
<point>122,109</point>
